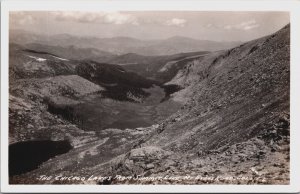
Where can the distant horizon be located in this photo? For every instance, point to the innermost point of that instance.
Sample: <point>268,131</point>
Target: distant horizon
<point>175,36</point>
<point>147,26</point>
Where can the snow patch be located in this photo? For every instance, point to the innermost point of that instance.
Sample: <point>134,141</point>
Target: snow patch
<point>167,66</point>
<point>37,58</point>
<point>60,58</point>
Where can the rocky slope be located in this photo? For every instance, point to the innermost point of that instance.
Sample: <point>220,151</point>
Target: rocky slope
<point>251,80</point>
<point>232,129</point>
<point>40,84</point>
<point>30,101</point>
<point>31,64</point>
<point>236,117</point>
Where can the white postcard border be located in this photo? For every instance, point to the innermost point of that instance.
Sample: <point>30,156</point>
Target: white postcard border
<point>293,6</point>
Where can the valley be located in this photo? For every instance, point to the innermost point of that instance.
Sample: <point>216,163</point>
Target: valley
<point>97,113</point>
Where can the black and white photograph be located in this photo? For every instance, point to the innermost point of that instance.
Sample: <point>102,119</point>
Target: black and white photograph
<point>156,97</point>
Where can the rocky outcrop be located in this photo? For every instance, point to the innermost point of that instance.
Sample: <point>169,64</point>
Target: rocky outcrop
<point>33,100</point>
<point>259,160</point>
<point>144,160</point>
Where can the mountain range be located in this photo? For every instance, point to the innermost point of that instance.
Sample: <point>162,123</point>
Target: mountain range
<point>121,45</point>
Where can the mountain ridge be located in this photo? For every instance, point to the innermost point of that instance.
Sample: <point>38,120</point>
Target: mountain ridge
<point>122,45</point>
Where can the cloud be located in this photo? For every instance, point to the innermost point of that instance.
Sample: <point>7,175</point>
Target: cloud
<point>21,19</point>
<point>209,25</point>
<point>176,22</point>
<point>118,18</point>
<point>99,17</point>
<point>248,25</point>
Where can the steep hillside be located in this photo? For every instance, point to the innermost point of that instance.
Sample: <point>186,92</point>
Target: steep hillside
<point>237,111</point>
<point>119,83</point>
<point>234,89</point>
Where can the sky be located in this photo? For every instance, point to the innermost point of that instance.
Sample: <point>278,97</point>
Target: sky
<point>203,25</point>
